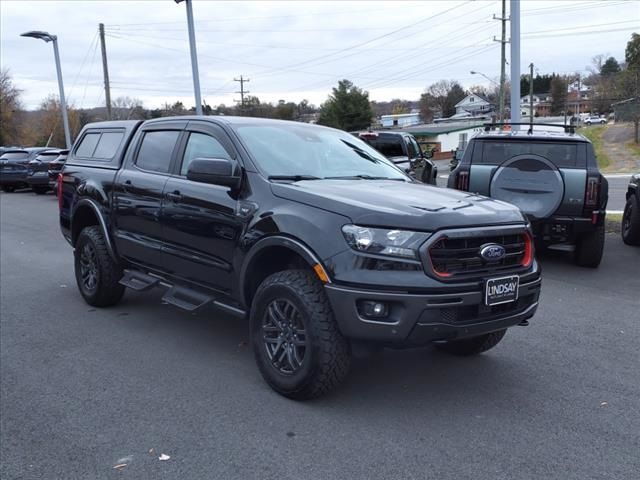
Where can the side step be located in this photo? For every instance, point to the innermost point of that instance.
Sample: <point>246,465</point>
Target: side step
<point>138,281</point>
<point>186,299</point>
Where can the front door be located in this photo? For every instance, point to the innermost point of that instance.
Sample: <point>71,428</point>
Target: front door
<point>138,193</point>
<point>200,222</point>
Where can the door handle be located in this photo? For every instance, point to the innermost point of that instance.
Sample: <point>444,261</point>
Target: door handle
<point>174,196</point>
<point>126,185</point>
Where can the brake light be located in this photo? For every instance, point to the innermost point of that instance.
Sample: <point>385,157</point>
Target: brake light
<point>592,193</point>
<point>527,258</point>
<point>59,191</point>
<point>462,180</point>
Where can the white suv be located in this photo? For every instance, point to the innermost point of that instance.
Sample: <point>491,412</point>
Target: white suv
<point>596,120</point>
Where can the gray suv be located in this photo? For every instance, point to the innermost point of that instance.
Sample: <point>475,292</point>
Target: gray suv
<point>552,176</point>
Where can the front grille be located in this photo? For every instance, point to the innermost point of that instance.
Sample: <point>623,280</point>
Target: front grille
<point>459,256</point>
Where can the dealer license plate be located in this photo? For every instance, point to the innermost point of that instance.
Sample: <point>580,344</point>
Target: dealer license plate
<point>501,290</point>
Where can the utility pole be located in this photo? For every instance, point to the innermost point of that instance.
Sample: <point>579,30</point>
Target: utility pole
<point>242,91</point>
<point>105,71</point>
<point>194,56</point>
<point>531,98</point>
<point>514,15</point>
<point>503,59</point>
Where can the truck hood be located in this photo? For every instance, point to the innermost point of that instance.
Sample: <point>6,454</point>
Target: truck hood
<point>405,205</point>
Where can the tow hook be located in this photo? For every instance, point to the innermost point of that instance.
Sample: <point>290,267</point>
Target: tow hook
<point>524,323</point>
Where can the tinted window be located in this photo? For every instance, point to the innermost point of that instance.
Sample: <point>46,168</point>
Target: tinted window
<point>156,149</point>
<point>15,155</point>
<point>87,145</point>
<point>560,154</point>
<point>108,145</point>
<point>316,151</point>
<point>201,145</point>
<point>389,147</point>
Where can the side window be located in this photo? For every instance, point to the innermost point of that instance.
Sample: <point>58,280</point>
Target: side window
<point>108,145</point>
<point>201,145</point>
<point>87,145</point>
<point>156,149</point>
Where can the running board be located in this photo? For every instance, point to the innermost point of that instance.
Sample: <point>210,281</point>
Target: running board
<point>186,299</point>
<point>138,281</point>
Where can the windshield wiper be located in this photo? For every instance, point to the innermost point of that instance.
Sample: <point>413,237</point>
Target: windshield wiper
<point>293,178</point>
<point>366,177</point>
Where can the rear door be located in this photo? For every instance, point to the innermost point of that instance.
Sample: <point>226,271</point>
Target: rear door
<point>200,224</point>
<point>138,193</point>
<point>542,177</point>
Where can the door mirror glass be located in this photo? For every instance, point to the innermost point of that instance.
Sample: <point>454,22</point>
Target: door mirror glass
<point>215,171</point>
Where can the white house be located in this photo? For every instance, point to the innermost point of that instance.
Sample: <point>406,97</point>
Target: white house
<point>473,104</point>
<point>446,137</point>
<point>400,120</point>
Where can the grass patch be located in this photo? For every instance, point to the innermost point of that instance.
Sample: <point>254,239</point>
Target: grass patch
<point>595,135</point>
<point>633,147</point>
<point>613,222</point>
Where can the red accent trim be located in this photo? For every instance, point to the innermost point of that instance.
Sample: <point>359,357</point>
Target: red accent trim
<point>527,259</point>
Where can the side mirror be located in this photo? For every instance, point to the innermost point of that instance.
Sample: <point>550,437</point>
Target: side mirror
<point>215,171</point>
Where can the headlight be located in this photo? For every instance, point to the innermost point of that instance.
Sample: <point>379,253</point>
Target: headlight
<point>379,241</point>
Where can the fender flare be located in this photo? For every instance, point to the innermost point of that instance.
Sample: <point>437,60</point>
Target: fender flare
<point>278,241</point>
<point>88,202</point>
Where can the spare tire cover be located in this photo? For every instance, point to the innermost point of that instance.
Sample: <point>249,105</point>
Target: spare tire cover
<point>530,182</point>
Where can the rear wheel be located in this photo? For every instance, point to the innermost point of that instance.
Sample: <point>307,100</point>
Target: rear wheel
<point>97,274</point>
<point>631,222</point>
<point>590,248</point>
<point>8,188</point>
<point>473,345</point>
<point>297,345</point>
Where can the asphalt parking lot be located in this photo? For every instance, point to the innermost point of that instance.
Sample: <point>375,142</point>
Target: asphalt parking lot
<point>84,390</point>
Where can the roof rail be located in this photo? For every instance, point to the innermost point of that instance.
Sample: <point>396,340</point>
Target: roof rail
<point>567,128</point>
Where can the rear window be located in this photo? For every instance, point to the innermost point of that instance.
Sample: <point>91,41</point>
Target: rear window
<point>15,155</point>
<point>100,145</point>
<point>389,147</point>
<point>563,155</point>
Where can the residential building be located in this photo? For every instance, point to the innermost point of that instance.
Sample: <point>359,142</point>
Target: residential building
<point>446,138</point>
<point>400,120</point>
<point>474,105</point>
<point>541,105</point>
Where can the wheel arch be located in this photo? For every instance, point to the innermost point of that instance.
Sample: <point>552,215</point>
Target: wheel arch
<point>274,254</point>
<point>88,213</point>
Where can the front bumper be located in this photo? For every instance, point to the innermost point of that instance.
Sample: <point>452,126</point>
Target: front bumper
<point>418,319</point>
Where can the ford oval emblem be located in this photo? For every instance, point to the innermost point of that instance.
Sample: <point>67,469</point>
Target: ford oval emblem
<point>492,252</point>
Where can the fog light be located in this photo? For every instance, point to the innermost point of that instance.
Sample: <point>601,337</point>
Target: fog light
<point>373,309</point>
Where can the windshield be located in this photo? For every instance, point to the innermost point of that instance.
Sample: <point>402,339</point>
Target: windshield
<point>305,150</point>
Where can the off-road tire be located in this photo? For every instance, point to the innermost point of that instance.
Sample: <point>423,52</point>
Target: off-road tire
<point>107,291</point>
<point>8,188</point>
<point>40,190</point>
<point>632,215</point>
<point>472,346</point>
<point>590,248</point>
<point>327,356</point>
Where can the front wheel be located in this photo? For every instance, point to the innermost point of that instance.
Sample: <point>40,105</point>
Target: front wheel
<point>631,222</point>
<point>97,274</point>
<point>474,345</point>
<point>590,248</point>
<point>40,190</point>
<point>8,188</point>
<point>297,345</point>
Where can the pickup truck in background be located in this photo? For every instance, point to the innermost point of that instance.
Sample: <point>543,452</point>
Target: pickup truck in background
<point>317,238</point>
<point>404,151</point>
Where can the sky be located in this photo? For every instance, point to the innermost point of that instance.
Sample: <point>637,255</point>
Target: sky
<point>295,50</point>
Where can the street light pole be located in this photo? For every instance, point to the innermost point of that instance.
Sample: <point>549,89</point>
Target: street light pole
<point>194,56</point>
<point>63,103</point>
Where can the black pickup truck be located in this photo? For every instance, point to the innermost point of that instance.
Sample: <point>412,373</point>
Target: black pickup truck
<point>315,236</point>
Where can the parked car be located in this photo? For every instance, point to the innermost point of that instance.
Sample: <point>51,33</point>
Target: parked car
<point>403,150</point>
<point>55,167</point>
<point>315,236</point>
<point>13,167</point>
<point>552,176</point>
<point>595,120</point>
<point>631,215</point>
<point>38,171</point>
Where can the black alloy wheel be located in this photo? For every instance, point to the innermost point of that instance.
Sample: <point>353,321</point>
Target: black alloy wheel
<point>284,336</point>
<point>89,267</point>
